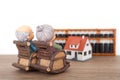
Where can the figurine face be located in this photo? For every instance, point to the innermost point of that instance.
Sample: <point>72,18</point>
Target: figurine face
<point>24,33</point>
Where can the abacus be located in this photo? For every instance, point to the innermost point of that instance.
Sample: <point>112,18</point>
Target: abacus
<point>103,41</point>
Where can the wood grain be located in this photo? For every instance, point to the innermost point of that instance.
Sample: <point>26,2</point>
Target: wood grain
<point>98,68</point>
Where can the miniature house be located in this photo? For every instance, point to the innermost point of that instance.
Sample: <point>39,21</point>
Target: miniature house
<point>78,48</point>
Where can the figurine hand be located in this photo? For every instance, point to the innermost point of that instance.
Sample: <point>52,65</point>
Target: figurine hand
<point>28,43</point>
<point>51,44</point>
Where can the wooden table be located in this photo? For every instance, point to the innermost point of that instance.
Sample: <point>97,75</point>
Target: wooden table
<point>98,68</point>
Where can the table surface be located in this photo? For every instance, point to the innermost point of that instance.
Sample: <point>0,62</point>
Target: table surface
<point>97,68</point>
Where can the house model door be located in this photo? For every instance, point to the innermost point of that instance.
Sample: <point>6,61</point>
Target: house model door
<point>76,56</point>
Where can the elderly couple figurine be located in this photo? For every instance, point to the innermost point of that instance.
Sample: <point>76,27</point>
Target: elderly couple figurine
<point>43,33</point>
<point>43,55</point>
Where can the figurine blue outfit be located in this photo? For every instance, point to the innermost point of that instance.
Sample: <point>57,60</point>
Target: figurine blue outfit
<point>33,48</point>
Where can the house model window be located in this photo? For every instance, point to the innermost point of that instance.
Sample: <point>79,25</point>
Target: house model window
<point>74,46</point>
<point>71,46</point>
<point>85,53</point>
<point>87,44</point>
<point>90,52</point>
<point>68,52</point>
<point>80,53</point>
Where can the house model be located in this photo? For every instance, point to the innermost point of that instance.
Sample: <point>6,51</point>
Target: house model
<point>78,48</point>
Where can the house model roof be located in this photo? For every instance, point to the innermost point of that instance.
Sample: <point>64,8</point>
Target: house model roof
<point>75,40</point>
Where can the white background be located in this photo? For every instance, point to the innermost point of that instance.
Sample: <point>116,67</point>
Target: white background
<point>59,14</point>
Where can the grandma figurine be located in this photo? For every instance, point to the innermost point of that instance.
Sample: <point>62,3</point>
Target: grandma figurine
<point>46,33</point>
<point>25,33</point>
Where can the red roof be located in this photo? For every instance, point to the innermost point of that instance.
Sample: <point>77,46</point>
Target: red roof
<point>74,40</point>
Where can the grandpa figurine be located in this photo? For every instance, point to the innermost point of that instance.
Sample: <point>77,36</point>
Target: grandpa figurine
<point>25,33</point>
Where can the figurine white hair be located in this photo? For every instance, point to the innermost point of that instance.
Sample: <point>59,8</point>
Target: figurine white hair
<point>24,33</point>
<point>44,33</point>
<point>22,36</point>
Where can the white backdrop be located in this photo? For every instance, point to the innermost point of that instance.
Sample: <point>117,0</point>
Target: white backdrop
<point>59,14</point>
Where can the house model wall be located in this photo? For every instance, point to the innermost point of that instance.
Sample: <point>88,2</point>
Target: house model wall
<point>78,48</point>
